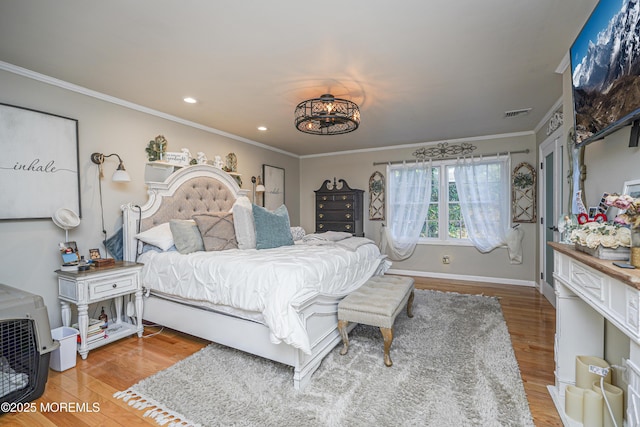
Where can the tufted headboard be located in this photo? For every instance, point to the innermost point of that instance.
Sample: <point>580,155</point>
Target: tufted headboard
<point>188,191</point>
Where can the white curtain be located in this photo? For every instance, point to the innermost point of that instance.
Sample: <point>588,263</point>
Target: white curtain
<point>409,194</point>
<point>483,189</point>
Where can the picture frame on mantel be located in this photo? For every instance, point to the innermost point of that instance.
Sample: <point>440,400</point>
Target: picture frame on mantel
<point>39,157</point>
<point>632,188</point>
<point>273,181</point>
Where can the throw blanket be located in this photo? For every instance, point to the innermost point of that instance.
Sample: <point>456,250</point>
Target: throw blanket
<point>265,281</point>
<point>338,238</point>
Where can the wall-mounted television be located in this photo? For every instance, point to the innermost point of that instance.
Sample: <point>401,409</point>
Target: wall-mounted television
<point>605,71</point>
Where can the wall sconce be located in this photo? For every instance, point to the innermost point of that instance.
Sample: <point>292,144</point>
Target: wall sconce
<point>257,187</point>
<point>120,175</point>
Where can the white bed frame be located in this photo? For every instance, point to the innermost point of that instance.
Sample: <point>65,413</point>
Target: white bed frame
<point>318,313</point>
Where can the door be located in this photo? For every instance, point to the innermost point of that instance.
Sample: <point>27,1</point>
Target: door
<point>550,191</point>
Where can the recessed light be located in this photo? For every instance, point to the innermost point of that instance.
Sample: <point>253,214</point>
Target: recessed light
<point>190,100</point>
<point>262,128</point>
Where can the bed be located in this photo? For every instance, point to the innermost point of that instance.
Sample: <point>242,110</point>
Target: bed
<point>279,302</point>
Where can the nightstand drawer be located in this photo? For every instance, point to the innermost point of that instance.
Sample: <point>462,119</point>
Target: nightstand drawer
<point>109,287</point>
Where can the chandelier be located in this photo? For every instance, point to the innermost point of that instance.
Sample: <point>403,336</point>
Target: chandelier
<point>327,115</point>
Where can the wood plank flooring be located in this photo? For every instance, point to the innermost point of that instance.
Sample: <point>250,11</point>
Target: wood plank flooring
<point>117,366</point>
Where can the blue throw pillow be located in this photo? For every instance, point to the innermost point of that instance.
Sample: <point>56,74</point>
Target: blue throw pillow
<point>272,228</point>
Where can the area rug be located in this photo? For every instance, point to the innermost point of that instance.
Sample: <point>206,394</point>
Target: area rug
<point>453,365</point>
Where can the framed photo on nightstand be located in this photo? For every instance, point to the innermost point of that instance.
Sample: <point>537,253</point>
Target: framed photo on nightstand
<point>94,254</point>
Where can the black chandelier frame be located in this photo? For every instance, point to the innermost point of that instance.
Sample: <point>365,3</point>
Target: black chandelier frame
<point>327,115</point>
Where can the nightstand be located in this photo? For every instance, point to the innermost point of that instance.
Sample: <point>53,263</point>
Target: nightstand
<point>98,284</point>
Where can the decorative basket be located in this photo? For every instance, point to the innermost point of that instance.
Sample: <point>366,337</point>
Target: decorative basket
<point>618,254</point>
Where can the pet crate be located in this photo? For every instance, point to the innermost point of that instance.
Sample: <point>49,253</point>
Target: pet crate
<point>25,345</point>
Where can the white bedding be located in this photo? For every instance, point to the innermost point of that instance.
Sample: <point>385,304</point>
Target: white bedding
<point>265,281</point>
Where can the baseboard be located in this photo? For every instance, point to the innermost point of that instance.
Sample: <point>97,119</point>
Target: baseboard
<point>484,279</point>
<point>548,292</point>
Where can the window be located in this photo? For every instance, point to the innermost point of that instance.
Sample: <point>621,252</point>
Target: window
<point>444,212</point>
<point>487,204</point>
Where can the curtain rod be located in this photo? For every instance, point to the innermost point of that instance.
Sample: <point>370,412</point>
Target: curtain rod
<point>456,157</point>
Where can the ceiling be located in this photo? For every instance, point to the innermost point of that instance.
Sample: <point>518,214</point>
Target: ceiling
<point>420,70</point>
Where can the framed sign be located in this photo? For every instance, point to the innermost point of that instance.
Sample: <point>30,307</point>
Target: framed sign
<point>274,186</point>
<point>39,163</point>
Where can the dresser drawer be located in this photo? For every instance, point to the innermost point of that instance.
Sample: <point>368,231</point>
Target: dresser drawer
<point>349,227</point>
<point>336,206</point>
<point>105,288</point>
<point>324,216</point>
<point>335,197</point>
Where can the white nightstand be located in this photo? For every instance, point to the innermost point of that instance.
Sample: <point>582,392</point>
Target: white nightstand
<point>98,284</point>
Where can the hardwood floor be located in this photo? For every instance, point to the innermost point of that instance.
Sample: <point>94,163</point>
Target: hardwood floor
<point>115,367</point>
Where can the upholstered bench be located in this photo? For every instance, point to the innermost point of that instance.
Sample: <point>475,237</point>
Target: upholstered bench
<point>376,303</point>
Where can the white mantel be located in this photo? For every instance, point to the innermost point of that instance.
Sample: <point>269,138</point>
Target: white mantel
<point>588,291</point>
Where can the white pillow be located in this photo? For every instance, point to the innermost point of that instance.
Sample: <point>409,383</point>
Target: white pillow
<point>159,236</point>
<point>243,223</point>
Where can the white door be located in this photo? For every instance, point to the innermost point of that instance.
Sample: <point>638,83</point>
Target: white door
<point>550,207</point>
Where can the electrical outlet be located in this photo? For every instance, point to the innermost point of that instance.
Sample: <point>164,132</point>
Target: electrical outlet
<point>445,259</point>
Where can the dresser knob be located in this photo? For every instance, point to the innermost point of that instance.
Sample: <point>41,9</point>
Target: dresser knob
<point>348,226</point>
<point>348,205</point>
<point>321,216</point>
<point>348,216</point>
<point>321,206</point>
<point>344,197</point>
<point>324,197</point>
<point>320,225</point>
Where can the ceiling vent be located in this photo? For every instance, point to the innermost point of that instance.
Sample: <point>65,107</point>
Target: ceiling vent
<point>516,113</point>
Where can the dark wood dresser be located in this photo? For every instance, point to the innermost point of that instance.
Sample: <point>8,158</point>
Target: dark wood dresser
<point>339,208</point>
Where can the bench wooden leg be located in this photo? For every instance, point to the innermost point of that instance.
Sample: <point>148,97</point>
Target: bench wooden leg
<point>410,305</point>
<point>387,334</point>
<point>342,328</point>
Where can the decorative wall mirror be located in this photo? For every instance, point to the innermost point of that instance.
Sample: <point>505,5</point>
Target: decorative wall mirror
<point>523,197</point>
<point>376,196</point>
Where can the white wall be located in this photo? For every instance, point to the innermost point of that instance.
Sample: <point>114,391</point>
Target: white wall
<point>28,254</point>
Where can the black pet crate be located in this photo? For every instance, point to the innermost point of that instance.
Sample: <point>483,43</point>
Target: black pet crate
<point>25,345</point>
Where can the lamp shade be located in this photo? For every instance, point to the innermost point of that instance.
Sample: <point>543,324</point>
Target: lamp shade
<point>260,188</point>
<point>121,175</point>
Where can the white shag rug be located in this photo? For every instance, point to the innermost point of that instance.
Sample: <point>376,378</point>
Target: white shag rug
<point>453,365</point>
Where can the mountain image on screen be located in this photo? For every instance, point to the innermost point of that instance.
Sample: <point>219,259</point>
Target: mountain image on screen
<point>606,80</point>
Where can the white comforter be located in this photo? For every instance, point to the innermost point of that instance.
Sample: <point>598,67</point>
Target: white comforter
<point>266,281</point>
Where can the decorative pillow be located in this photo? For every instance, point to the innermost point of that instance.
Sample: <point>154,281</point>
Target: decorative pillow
<point>272,228</point>
<point>243,223</point>
<point>297,233</point>
<point>186,235</point>
<point>159,236</point>
<point>217,231</point>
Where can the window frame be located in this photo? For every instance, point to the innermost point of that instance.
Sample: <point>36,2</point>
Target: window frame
<point>443,209</point>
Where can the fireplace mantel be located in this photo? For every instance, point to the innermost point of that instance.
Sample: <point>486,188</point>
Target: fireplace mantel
<point>588,291</point>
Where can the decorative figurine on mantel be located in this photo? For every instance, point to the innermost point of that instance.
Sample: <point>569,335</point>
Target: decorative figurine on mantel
<point>217,162</point>
<point>202,158</point>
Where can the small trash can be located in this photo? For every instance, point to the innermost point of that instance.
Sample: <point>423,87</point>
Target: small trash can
<point>64,357</point>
